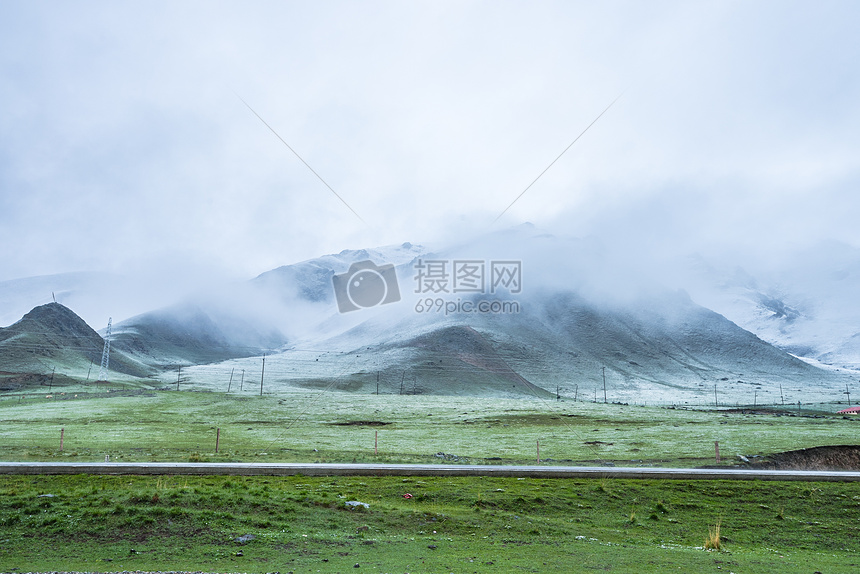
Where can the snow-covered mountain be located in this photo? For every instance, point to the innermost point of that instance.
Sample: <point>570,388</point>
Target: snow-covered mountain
<point>562,314</point>
<point>661,346</point>
<point>310,280</point>
<point>579,316</point>
<point>806,304</point>
<point>245,319</point>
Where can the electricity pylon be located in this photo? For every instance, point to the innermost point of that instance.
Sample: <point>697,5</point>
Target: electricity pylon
<point>105,353</point>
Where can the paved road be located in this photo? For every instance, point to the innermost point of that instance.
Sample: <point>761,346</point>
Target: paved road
<point>312,469</point>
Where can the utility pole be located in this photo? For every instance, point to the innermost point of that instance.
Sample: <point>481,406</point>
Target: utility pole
<point>716,402</point>
<point>90,369</point>
<point>51,384</point>
<point>557,393</point>
<point>604,385</point>
<point>178,376</point>
<point>231,379</point>
<point>847,392</point>
<point>105,353</point>
<point>377,383</point>
<point>263,374</point>
<point>781,395</point>
<point>575,392</point>
<point>403,376</point>
<point>242,382</point>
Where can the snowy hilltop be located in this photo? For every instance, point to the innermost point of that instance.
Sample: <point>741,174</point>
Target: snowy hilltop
<point>519,312</point>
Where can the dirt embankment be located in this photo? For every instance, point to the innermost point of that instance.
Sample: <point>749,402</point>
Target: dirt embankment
<point>844,457</point>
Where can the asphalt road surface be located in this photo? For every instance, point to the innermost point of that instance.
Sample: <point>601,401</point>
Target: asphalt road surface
<point>319,469</point>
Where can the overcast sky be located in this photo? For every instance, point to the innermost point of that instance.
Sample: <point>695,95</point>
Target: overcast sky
<point>125,146</point>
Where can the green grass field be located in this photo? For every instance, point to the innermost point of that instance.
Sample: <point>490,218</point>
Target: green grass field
<point>148,425</point>
<point>302,524</point>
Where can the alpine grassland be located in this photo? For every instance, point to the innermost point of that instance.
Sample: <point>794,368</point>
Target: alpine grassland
<point>165,425</point>
<point>100,523</point>
<point>395,524</point>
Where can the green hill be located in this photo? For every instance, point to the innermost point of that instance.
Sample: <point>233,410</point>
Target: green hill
<point>52,338</point>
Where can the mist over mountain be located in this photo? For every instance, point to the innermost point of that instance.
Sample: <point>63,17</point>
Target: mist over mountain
<point>583,313</point>
<point>310,281</point>
<point>187,334</point>
<point>243,319</point>
<point>805,303</point>
<point>579,313</point>
<point>660,347</point>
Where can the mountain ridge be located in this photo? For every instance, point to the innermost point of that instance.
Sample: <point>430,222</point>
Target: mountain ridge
<point>581,315</point>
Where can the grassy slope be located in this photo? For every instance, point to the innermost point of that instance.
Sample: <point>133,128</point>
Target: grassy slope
<point>53,338</point>
<point>302,524</point>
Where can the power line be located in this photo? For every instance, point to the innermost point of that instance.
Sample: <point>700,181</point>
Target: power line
<point>558,158</point>
<point>319,177</point>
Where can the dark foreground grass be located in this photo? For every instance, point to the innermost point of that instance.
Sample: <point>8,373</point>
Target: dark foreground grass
<point>305,524</point>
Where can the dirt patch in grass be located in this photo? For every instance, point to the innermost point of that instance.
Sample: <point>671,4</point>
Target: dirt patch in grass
<point>845,457</point>
<point>530,419</point>
<point>16,381</point>
<point>361,424</point>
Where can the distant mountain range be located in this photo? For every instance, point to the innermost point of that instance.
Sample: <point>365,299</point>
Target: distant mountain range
<point>580,318</point>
